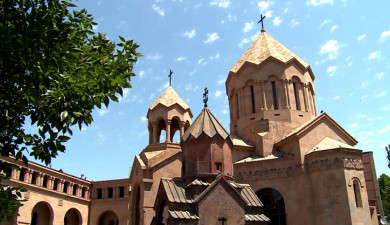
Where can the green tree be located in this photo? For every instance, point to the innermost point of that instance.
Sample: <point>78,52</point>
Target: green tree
<point>387,148</point>
<point>384,188</point>
<point>54,70</point>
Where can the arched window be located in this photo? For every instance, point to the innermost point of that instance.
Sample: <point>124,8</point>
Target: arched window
<point>108,218</point>
<point>162,131</point>
<point>175,128</point>
<point>42,214</point>
<point>274,207</point>
<point>274,96</point>
<point>356,191</point>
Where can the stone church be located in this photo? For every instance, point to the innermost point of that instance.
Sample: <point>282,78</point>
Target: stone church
<point>281,163</point>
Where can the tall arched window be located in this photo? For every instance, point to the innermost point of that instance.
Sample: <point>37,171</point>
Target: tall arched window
<point>356,191</point>
<point>274,207</point>
<point>275,99</point>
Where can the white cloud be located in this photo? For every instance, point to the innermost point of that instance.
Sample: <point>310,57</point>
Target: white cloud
<point>221,81</point>
<point>144,119</point>
<point>180,59</point>
<point>374,55</point>
<point>159,10</point>
<point>200,61</point>
<point>191,87</point>
<point>324,22</point>
<point>151,96</point>
<point>248,27</point>
<point>225,111</point>
<point>380,75</point>
<point>384,130</point>
<point>220,3</point>
<point>190,34</point>
<point>336,98</point>
<point>293,23</point>
<point>331,70</point>
<point>277,21</point>
<point>218,93</point>
<point>268,13</point>
<point>121,24</point>
<point>95,27</point>
<point>154,56</point>
<point>264,5</point>
<point>354,125</point>
<point>216,56</point>
<point>319,2</point>
<point>386,108</point>
<point>197,5</point>
<point>331,48</point>
<point>211,38</point>
<point>365,84</point>
<point>384,35</point>
<point>378,94</point>
<point>334,27</point>
<point>361,37</point>
<point>243,42</point>
<point>142,74</point>
<point>102,111</point>
<point>165,85</point>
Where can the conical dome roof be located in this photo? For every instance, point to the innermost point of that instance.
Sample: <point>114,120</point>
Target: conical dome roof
<point>206,123</point>
<point>264,47</point>
<point>168,98</point>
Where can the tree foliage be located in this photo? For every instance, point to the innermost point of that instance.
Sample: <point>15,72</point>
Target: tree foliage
<point>54,71</point>
<point>384,188</point>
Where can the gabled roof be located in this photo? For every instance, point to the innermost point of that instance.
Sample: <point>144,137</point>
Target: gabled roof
<point>206,123</point>
<point>168,98</point>
<point>176,214</point>
<point>329,144</point>
<point>264,47</point>
<point>311,123</point>
<point>244,191</point>
<point>256,218</point>
<point>175,190</point>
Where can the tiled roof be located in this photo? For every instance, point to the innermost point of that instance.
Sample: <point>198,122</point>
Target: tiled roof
<point>256,217</point>
<point>197,182</point>
<point>247,194</point>
<point>175,190</point>
<point>262,48</point>
<point>329,143</point>
<point>183,215</point>
<point>168,98</point>
<point>274,155</point>
<point>205,123</point>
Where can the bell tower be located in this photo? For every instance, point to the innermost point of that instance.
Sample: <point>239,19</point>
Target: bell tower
<point>270,92</point>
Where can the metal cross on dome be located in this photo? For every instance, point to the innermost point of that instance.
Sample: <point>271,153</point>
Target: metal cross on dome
<point>205,96</point>
<point>261,21</point>
<point>170,77</point>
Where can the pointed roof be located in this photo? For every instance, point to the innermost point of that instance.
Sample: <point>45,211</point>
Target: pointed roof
<point>329,144</point>
<point>168,98</point>
<point>206,123</point>
<point>264,47</point>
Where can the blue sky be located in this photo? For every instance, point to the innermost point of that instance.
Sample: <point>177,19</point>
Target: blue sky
<point>346,43</point>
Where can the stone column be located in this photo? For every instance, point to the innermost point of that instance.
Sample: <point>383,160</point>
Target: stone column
<point>155,134</point>
<point>305,97</point>
<point>40,179</point>
<point>15,173</point>
<point>287,94</point>
<point>29,176</point>
<point>70,188</point>
<point>168,131</point>
<point>150,135</point>
<point>263,96</point>
<point>182,124</point>
<point>50,183</point>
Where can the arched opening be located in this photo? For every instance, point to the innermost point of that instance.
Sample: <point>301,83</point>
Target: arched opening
<point>42,214</point>
<point>73,217</point>
<point>65,187</point>
<point>161,131</point>
<point>274,207</point>
<point>135,205</point>
<point>75,188</point>
<point>45,180</point>
<point>55,184</point>
<point>34,178</point>
<point>356,191</point>
<point>162,213</point>
<point>22,174</point>
<point>108,218</point>
<point>175,128</point>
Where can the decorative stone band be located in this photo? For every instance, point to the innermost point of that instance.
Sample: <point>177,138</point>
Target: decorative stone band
<point>316,165</point>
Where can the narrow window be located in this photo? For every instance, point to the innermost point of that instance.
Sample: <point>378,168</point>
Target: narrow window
<point>83,192</point>
<point>75,187</point>
<point>121,191</point>
<point>99,193</point>
<point>218,167</point>
<point>356,190</point>
<point>34,178</point>
<point>22,174</point>
<point>274,95</point>
<point>110,192</point>
<point>44,184</point>
<point>55,185</point>
<point>296,95</point>
<point>65,189</point>
<point>253,100</point>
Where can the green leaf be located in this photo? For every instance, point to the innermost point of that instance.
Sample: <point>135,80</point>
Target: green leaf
<point>63,138</point>
<point>64,114</point>
<point>78,114</point>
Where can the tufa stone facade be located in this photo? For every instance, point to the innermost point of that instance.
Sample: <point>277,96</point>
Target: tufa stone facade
<point>281,163</point>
